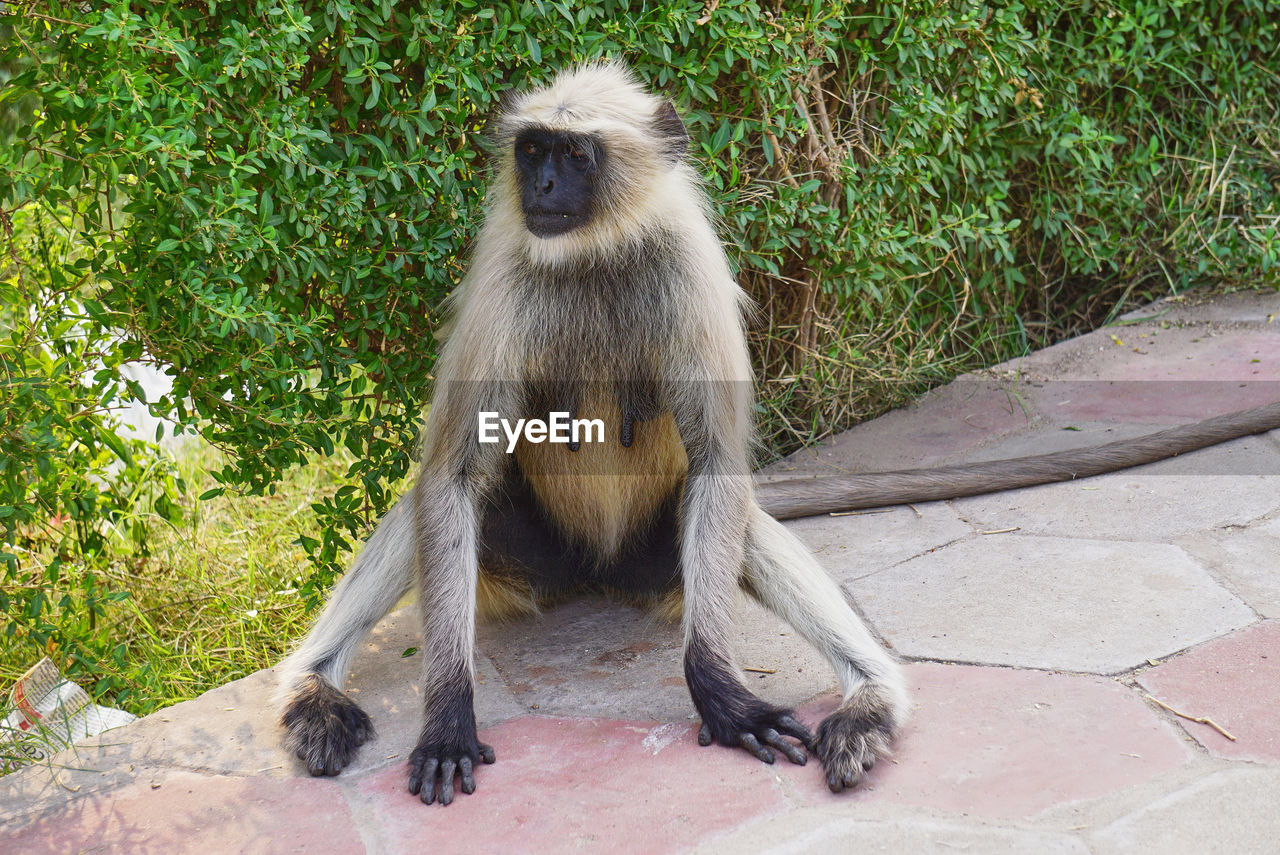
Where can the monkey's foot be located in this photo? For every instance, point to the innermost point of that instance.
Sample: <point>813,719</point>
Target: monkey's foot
<point>852,738</point>
<point>758,727</point>
<point>324,727</point>
<point>433,765</point>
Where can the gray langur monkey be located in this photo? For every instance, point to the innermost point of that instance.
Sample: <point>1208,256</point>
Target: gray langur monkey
<point>598,287</point>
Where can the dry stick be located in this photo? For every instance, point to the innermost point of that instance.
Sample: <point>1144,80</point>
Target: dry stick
<point>1196,719</point>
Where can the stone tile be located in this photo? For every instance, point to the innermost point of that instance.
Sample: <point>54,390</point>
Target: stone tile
<point>1243,307</point>
<point>591,657</point>
<point>1062,435</point>
<point>1235,681</point>
<point>1150,352</point>
<point>802,832</point>
<point>388,685</point>
<point>1003,743</point>
<point>1231,811</point>
<point>494,701</point>
<point>583,785</point>
<point>864,542</point>
<point>1163,401</point>
<point>66,778</point>
<point>1127,506</point>
<point>230,730</point>
<point>1211,355</point>
<point>1246,558</point>
<point>180,811</point>
<point>234,729</point>
<point>948,421</point>
<point>1044,602</point>
<point>763,642</point>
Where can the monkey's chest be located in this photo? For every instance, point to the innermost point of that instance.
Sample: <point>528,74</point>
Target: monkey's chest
<point>603,494</point>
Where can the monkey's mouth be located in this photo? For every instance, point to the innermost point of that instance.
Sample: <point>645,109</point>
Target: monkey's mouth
<point>545,223</point>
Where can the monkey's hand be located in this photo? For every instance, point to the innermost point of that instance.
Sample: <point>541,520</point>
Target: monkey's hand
<point>756,726</point>
<point>435,762</point>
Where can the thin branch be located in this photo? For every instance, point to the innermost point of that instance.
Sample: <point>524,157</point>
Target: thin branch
<point>1196,719</point>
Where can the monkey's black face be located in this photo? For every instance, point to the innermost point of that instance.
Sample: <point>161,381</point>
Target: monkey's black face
<point>557,173</point>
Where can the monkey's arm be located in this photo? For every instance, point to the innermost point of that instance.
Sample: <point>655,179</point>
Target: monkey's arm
<point>457,473</point>
<point>714,515</point>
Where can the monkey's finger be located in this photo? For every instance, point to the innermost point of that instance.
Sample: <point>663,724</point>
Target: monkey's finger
<point>794,752</point>
<point>423,781</point>
<point>628,429</point>
<point>447,770</point>
<point>704,735</point>
<point>792,727</point>
<point>749,742</point>
<point>486,753</point>
<point>838,781</point>
<point>468,779</point>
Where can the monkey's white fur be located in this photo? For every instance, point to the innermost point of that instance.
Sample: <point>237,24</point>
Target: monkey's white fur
<point>725,539</point>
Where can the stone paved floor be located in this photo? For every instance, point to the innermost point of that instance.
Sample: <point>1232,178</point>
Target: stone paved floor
<point>1047,633</point>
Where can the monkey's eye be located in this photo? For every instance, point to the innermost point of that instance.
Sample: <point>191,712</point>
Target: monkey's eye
<point>529,148</point>
<point>577,153</point>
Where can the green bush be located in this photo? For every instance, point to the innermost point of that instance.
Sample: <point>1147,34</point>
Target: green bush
<point>269,199</point>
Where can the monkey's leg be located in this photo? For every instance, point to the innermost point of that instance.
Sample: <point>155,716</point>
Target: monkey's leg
<point>784,576</point>
<point>458,476</point>
<point>448,537</point>
<point>714,521</point>
<point>323,726</point>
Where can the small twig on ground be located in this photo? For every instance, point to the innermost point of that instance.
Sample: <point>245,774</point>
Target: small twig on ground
<point>1002,530</point>
<point>762,670</point>
<point>1196,719</point>
<point>859,513</point>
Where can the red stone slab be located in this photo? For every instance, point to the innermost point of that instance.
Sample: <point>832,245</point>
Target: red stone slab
<point>1158,401</point>
<point>592,785</point>
<point>185,812</point>
<point>1009,744</point>
<point>1245,357</point>
<point>1235,681</point>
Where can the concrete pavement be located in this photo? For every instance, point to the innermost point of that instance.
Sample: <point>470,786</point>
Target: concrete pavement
<point>1050,634</point>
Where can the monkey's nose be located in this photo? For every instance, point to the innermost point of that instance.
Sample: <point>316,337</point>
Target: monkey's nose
<point>546,187</point>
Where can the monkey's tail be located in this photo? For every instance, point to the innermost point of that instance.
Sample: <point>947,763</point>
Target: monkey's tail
<point>802,497</point>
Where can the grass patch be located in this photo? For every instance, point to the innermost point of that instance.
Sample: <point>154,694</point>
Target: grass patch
<point>214,598</point>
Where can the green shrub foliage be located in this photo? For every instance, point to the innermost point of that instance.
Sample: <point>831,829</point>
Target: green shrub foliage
<point>269,199</point>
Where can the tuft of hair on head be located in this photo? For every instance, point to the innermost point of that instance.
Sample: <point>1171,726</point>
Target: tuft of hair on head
<point>603,98</point>
<point>593,93</point>
<point>645,179</point>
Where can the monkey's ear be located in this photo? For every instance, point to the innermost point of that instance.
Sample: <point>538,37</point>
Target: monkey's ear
<point>671,131</point>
